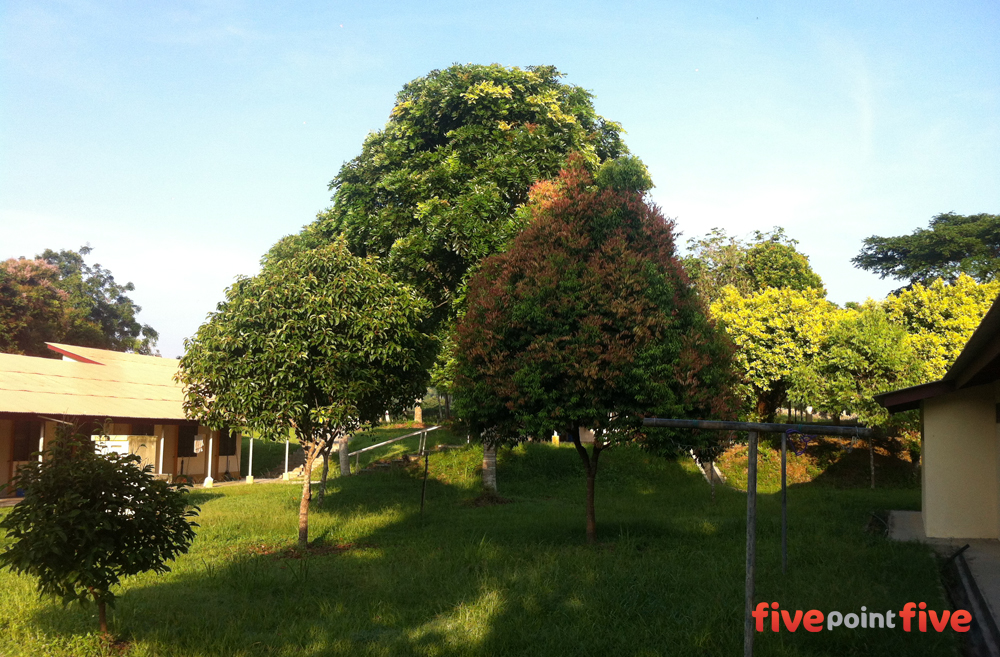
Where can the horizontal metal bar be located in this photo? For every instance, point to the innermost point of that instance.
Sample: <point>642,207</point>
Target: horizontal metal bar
<point>393,440</point>
<point>761,427</point>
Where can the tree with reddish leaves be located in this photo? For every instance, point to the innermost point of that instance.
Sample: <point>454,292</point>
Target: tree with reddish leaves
<point>589,322</point>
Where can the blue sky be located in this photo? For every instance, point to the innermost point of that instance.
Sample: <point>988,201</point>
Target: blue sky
<point>182,139</point>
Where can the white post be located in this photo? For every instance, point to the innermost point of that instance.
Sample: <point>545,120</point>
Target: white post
<point>163,439</point>
<point>250,466</point>
<point>209,482</point>
<point>285,476</point>
<point>41,442</point>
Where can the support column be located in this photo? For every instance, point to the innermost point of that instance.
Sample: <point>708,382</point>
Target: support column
<point>209,482</point>
<point>41,441</point>
<point>250,466</point>
<point>285,476</point>
<point>163,444</point>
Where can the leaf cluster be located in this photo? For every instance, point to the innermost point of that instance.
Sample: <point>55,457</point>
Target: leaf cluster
<point>939,318</point>
<point>58,297</point>
<point>767,259</point>
<point>324,342</point>
<point>953,244</point>
<point>88,520</point>
<point>774,330</point>
<point>105,315</point>
<point>587,320</point>
<point>861,355</point>
<point>437,189</point>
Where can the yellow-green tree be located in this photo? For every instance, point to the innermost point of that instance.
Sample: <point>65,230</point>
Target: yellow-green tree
<point>861,355</point>
<point>940,318</point>
<point>775,330</point>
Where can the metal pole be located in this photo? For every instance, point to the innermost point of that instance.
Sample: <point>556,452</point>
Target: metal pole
<point>784,503</point>
<point>423,489</point>
<point>751,543</point>
<point>711,474</point>
<point>762,427</point>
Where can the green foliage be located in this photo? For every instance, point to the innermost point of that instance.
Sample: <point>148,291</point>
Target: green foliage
<point>436,190</point>
<point>32,307</point>
<point>104,317</point>
<point>624,174</point>
<point>587,320</point>
<point>87,521</point>
<point>773,261</point>
<point>953,244</point>
<point>321,342</point>
<point>940,318</point>
<point>769,259</point>
<point>57,297</point>
<point>862,355</point>
<point>775,330</point>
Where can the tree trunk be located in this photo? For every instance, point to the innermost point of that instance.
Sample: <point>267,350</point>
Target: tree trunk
<point>310,453</point>
<point>591,514</point>
<point>590,465</point>
<point>489,469</point>
<point>871,459</point>
<point>325,453</point>
<point>345,456</point>
<point>102,617</point>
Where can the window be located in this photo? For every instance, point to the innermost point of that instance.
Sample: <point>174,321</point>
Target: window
<point>26,435</point>
<point>185,440</point>
<point>142,430</point>
<point>227,442</point>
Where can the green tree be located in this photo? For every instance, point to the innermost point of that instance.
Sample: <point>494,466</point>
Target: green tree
<point>588,321</point>
<point>953,244</point>
<point>437,189</point>
<point>87,521</point>
<point>323,342</point>
<point>103,316</point>
<point>33,308</point>
<point>861,355</point>
<point>767,260</point>
<point>775,330</point>
<point>940,318</point>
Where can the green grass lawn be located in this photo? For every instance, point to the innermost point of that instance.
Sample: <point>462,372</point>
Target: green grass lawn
<point>507,579</point>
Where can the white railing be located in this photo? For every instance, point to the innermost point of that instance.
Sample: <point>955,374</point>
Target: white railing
<point>423,443</point>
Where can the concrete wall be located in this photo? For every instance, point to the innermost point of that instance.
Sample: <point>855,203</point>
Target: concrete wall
<point>961,464</point>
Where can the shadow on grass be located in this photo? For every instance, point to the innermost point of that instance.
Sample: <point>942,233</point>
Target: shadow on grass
<point>200,496</point>
<point>516,579</point>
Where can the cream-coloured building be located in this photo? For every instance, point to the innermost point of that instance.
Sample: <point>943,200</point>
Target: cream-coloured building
<point>130,403</point>
<point>961,438</point>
